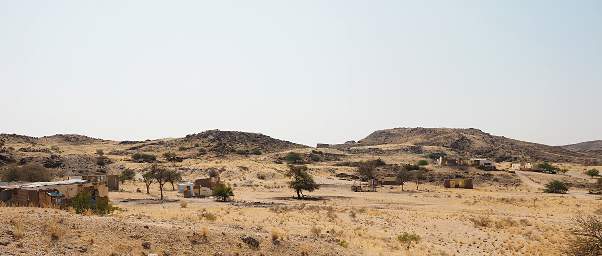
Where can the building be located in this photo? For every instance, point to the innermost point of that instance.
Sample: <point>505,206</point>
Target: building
<point>521,167</point>
<point>482,163</point>
<point>458,183</point>
<point>199,188</point>
<point>448,161</point>
<point>51,194</point>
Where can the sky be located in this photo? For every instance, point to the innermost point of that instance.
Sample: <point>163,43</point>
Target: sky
<point>304,71</point>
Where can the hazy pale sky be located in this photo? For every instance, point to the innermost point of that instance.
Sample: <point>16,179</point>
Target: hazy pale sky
<point>305,71</point>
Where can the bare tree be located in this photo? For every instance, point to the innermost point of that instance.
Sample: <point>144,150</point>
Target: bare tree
<point>161,176</point>
<point>588,237</point>
<point>148,178</point>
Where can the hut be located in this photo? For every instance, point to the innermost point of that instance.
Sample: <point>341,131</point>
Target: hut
<point>52,194</point>
<point>458,183</point>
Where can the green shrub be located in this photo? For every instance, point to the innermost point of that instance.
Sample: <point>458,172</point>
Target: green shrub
<point>593,173</point>
<point>127,174</point>
<point>83,201</point>
<point>222,192</point>
<point>422,162</point>
<point>547,168</point>
<point>293,158</point>
<point>557,187</point>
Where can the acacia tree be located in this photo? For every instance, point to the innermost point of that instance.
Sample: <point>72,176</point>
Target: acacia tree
<point>418,177</point>
<point>173,176</point>
<point>403,175</point>
<point>127,174</point>
<point>301,180</point>
<point>148,178</point>
<point>161,176</point>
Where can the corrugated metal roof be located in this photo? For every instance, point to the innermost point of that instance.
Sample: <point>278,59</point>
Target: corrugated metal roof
<point>45,184</point>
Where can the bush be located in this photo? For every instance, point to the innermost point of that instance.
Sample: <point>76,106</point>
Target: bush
<point>222,192</point>
<point>29,172</point>
<point>593,173</point>
<point>144,158</point>
<point>408,239</point>
<point>547,168</point>
<point>557,187</point>
<point>587,238</point>
<point>83,202</point>
<point>127,174</point>
<point>293,158</point>
<point>422,162</point>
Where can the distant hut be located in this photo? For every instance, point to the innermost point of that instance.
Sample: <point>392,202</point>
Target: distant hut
<point>458,183</point>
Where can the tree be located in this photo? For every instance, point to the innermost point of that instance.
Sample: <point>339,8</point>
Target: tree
<point>173,176</point>
<point>148,178</point>
<point>301,180</point>
<point>161,176</point>
<point>593,173</point>
<point>557,187</point>
<point>418,177</point>
<point>100,152</point>
<point>403,175</point>
<point>127,174</point>
<point>588,237</point>
<point>222,192</point>
<point>366,172</point>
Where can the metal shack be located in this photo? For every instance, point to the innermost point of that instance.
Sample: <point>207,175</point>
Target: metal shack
<point>51,194</point>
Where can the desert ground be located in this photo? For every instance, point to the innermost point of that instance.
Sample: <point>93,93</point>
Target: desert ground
<point>505,214</point>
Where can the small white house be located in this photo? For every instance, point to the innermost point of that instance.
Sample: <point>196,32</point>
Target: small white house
<point>182,186</point>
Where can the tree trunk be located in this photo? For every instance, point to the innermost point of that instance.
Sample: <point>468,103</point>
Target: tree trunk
<point>417,185</point>
<point>298,194</point>
<point>401,186</point>
<point>161,189</point>
<point>172,187</point>
<point>148,188</point>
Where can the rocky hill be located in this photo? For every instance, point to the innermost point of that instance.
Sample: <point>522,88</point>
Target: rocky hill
<point>594,147</point>
<point>73,139</point>
<point>476,143</point>
<point>234,141</point>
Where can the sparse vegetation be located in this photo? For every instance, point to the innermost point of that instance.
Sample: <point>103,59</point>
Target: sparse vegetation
<point>28,173</point>
<point>422,162</point>
<point>587,237</point>
<point>403,176</point>
<point>408,239</point>
<point>547,168</point>
<point>144,158</point>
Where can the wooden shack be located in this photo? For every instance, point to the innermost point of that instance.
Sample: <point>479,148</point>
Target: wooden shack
<point>458,183</point>
<point>51,194</point>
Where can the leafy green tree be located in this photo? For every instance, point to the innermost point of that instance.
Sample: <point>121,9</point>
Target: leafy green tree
<point>148,178</point>
<point>161,176</point>
<point>301,180</point>
<point>557,187</point>
<point>222,192</point>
